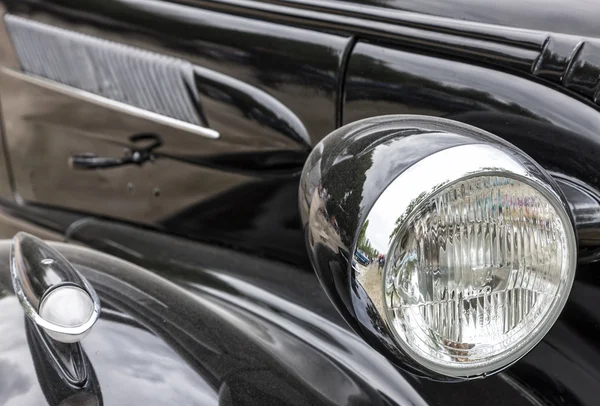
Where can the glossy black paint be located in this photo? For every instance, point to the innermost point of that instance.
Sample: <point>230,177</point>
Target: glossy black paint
<point>266,124</point>
<point>539,46</point>
<point>558,131</point>
<point>238,98</point>
<point>234,63</point>
<point>543,15</point>
<point>503,80</point>
<point>64,371</point>
<point>213,339</point>
<point>530,381</point>
<point>552,372</point>
<point>585,207</point>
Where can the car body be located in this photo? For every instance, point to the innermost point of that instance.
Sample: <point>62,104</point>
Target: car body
<point>172,135</point>
<point>362,258</point>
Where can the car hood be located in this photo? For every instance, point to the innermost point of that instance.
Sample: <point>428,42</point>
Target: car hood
<point>204,325</point>
<point>208,339</point>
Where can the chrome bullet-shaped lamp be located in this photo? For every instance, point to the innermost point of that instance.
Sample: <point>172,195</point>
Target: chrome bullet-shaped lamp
<point>477,240</point>
<point>53,294</point>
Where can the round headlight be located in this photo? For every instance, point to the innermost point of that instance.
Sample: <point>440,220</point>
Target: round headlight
<point>476,247</point>
<point>480,263</point>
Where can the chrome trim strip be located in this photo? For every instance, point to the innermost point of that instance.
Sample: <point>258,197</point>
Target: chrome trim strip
<point>111,104</point>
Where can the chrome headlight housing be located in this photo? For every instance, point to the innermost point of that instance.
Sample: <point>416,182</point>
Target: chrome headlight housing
<point>478,242</point>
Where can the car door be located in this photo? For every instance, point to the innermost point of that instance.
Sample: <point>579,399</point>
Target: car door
<point>168,115</point>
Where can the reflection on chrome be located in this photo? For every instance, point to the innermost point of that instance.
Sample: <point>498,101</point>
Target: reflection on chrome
<point>53,294</point>
<point>471,245</point>
<point>479,254</point>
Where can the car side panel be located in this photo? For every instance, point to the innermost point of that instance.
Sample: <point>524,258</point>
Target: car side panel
<point>268,90</point>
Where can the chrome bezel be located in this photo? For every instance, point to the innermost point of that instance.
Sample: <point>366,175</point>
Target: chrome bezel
<point>461,163</point>
<point>365,160</point>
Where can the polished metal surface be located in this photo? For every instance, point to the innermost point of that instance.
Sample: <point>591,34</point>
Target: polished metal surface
<point>366,177</point>
<point>53,294</point>
<point>415,186</point>
<point>121,108</point>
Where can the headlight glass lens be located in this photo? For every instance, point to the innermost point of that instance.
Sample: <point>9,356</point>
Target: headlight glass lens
<point>475,272</point>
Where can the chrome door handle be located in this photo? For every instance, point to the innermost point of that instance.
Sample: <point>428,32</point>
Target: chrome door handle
<point>135,155</point>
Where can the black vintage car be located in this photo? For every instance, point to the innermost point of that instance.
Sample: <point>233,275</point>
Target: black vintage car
<point>183,184</point>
